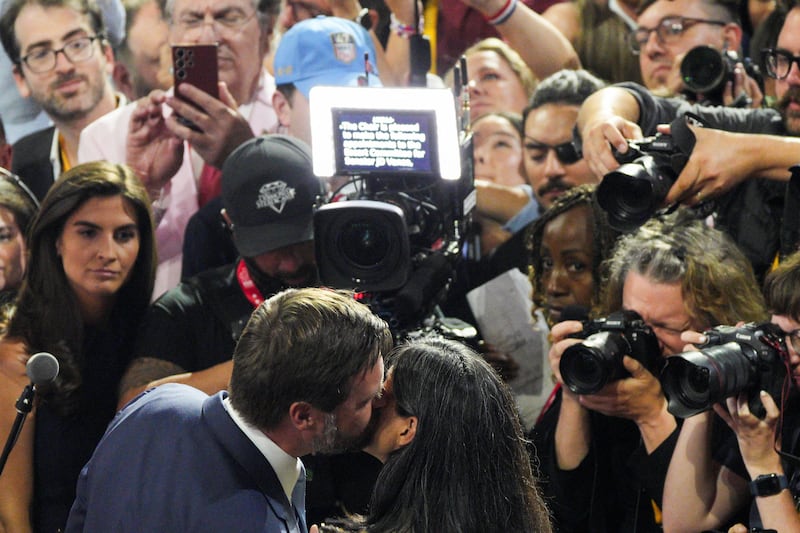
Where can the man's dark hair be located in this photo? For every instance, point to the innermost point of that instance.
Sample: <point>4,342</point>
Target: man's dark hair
<point>782,288</point>
<point>727,10</point>
<point>565,87</point>
<point>8,34</point>
<point>303,345</point>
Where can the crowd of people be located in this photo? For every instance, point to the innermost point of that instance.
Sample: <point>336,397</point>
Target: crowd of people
<point>158,240</point>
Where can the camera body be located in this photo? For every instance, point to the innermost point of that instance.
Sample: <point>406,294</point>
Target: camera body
<point>409,191</point>
<point>749,358</point>
<point>706,70</point>
<point>587,367</point>
<point>632,193</point>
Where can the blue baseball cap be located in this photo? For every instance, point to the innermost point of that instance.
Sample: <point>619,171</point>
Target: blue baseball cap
<point>326,51</point>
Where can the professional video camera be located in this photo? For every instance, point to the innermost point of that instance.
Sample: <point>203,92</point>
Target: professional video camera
<point>587,367</point>
<point>633,193</point>
<point>706,71</point>
<point>410,195</point>
<point>750,358</point>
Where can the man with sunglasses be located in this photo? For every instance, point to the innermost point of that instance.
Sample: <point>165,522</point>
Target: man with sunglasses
<point>552,163</point>
<point>739,159</point>
<point>64,67</point>
<point>668,29</point>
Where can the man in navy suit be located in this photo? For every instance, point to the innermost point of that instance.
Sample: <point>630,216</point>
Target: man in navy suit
<point>306,371</point>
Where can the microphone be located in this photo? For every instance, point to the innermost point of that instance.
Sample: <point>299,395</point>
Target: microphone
<point>41,368</point>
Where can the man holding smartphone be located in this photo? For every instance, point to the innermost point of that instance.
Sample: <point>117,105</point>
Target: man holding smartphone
<point>175,161</point>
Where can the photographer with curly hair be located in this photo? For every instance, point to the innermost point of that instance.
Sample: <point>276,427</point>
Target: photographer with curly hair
<point>604,456</point>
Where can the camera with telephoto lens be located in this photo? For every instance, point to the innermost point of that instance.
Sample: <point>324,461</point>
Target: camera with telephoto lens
<point>706,70</point>
<point>750,358</point>
<point>633,192</point>
<point>587,367</point>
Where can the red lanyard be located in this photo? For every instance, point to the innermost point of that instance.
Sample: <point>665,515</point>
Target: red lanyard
<point>247,285</point>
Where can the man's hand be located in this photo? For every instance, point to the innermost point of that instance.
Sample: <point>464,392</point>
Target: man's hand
<point>717,164</point>
<point>638,398</point>
<point>756,436</point>
<point>505,365</point>
<point>743,91</point>
<point>153,152</point>
<point>600,137</point>
<point>560,342</point>
<point>223,128</point>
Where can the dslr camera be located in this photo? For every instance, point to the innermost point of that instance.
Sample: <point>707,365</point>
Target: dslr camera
<point>706,71</point>
<point>750,358</point>
<point>633,193</point>
<point>587,367</point>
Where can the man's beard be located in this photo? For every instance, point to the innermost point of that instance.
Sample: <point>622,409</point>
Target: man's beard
<point>332,440</point>
<point>73,108</point>
<point>791,119</point>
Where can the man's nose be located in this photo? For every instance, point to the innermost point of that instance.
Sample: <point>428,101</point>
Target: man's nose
<point>553,166</point>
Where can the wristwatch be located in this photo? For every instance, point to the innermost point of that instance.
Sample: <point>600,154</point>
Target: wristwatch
<point>768,484</point>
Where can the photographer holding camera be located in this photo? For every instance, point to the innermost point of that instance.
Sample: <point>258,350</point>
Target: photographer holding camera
<point>604,455</point>
<point>734,160</point>
<point>669,31</point>
<point>717,489</point>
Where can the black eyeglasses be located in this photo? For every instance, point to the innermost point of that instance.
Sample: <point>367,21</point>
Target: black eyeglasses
<point>12,178</point>
<point>778,62</point>
<point>668,31</point>
<point>565,152</point>
<point>43,60</point>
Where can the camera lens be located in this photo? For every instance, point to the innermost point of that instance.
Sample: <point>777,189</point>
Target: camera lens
<point>694,381</point>
<point>588,366</point>
<point>364,243</point>
<point>704,70</point>
<point>632,193</point>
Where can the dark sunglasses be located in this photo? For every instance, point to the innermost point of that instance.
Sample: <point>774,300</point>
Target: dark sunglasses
<point>565,152</point>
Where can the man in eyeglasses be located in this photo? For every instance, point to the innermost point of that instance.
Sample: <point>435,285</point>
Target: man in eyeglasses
<point>180,165</point>
<point>741,171</point>
<point>668,29</point>
<point>62,61</point>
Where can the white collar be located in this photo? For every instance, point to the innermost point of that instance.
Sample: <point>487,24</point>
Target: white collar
<point>286,467</point>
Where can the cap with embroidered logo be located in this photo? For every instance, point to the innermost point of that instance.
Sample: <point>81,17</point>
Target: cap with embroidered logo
<point>269,190</point>
<point>325,51</point>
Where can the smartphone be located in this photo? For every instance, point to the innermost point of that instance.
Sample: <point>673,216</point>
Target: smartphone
<point>195,64</point>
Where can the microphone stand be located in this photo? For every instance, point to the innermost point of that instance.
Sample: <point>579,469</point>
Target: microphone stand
<point>24,406</point>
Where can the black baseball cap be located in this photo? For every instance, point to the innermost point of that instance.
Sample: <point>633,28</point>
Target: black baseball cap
<point>269,190</point>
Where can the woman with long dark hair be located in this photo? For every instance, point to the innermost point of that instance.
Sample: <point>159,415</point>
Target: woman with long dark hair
<point>89,280</point>
<point>459,461</point>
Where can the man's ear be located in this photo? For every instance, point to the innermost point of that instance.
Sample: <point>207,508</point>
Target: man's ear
<point>19,80</point>
<point>123,81</point>
<point>302,415</point>
<point>409,432</point>
<point>283,108</point>
<point>732,36</point>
